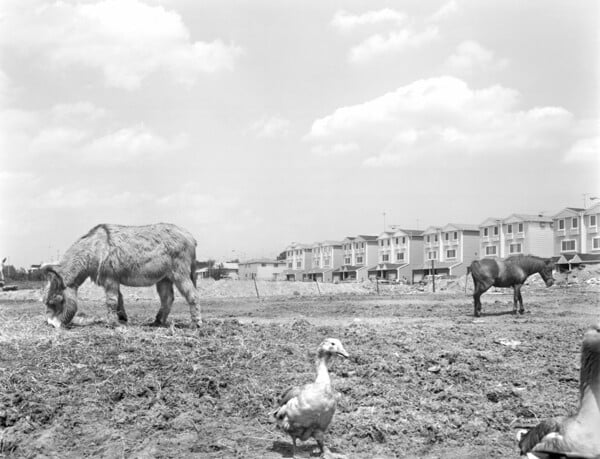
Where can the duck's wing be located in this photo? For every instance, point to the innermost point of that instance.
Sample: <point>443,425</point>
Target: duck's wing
<point>289,394</point>
<point>537,435</point>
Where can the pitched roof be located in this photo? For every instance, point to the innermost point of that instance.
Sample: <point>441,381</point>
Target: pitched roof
<point>461,227</point>
<point>568,211</point>
<point>527,218</point>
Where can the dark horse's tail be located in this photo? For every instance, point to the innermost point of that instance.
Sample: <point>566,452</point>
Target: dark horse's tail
<point>475,269</point>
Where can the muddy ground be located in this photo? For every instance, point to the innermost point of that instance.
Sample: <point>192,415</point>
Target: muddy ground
<point>425,379</point>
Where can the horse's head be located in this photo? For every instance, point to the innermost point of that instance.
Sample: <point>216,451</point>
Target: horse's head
<point>546,272</point>
<point>60,301</point>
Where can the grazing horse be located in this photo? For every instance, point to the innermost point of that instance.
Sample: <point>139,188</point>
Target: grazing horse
<point>161,254</point>
<point>509,272</point>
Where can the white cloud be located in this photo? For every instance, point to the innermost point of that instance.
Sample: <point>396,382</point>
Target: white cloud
<point>344,21</point>
<point>127,40</point>
<point>393,42</point>
<point>442,116</point>
<point>445,11</point>
<point>337,149</point>
<point>471,56</point>
<point>584,150</point>
<point>268,128</point>
<point>387,31</point>
<point>73,198</point>
<point>130,144</point>
<point>80,133</point>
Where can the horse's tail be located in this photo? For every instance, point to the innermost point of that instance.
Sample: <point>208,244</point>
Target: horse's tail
<point>475,269</point>
<point>193,272</point>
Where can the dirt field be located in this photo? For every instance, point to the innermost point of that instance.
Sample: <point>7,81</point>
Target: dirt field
<point>425,379</point>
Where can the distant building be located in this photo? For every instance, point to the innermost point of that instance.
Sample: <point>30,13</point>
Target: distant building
<point>326,256</point>
<point>515,235</point>
<point>262,269</point>
<point>298,259</point>
<point>399,252</point>
<point>576,236</point>
<point>360,253</point>
<point>451,248</point>
<point>225,270</point>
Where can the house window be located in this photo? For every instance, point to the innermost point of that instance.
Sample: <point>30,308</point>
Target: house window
<point>432,255</point>
<point>403,239</point>
<point>561,225</point>
<point>515,248</point>
<point>592,220</point>
<point>381,243</point>
<point>520,227</point>
<point>568,245</point>
<point>596,243</point>
<point>495,231</point>
<point>509,229</point>
<point>451,253</point>
<point>347,260</point>
<point>486,232</point>
<point>490,250</point>
<point>290,265</point>
<point>400,256</point>
<point>574,222</point>
<point>436,238</point>
<point>359,260</point>
<point>455,235</point>
<point>428,238</point>
<point>385,257</point>
<point>299,264</point>
<point>446,236</point>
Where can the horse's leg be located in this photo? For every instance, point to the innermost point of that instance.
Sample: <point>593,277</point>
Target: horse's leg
<point>519,299</point>
<point>480,289</point>
<point>121,314</point>
<point>186,288</point>
<point>165,292</point>
<point>516,297</point>
<point>111,289</point>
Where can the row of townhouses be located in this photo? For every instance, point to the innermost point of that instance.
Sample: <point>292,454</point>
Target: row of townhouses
<point>571,237</point>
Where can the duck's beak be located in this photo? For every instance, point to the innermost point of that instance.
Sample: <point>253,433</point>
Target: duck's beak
<point>341,351</point>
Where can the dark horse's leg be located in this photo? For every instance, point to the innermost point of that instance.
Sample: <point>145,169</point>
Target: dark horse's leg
<point>518,298</point>
<point>480,289</point>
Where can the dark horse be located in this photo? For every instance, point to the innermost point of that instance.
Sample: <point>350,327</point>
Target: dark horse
<point>508,272</point>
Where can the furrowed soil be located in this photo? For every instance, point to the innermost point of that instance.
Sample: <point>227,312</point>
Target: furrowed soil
<point>424,378</point>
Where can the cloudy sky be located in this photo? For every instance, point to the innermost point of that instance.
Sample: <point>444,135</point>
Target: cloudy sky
<point>258,123</point>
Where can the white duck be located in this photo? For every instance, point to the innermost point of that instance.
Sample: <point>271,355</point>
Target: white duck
<point>577,435</point>
<point>306,411</point>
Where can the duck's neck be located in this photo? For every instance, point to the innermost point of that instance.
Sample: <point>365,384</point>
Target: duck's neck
<point>322,372</point>
<point>589,382</point>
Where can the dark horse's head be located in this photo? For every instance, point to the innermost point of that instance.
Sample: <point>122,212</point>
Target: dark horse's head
<point>546,272</point>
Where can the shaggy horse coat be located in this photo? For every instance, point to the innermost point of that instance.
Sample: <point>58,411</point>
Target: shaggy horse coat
<point>161,254</point>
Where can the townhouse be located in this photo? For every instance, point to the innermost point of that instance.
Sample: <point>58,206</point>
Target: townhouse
<point>326,256</point>
<point>399,252</point>
<point>576,236</point>
<point>298,258</point>
<point>359,253</point>
<point>448,250</point>
<point>516,234</point>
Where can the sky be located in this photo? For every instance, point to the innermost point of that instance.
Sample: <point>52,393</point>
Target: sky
<point>255,124</point>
